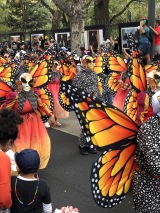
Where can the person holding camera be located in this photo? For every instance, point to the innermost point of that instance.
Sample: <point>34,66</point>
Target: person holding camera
<point>144,43</point>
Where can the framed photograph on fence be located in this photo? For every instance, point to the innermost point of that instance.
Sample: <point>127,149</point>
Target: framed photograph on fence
<point>93,38</point>
<point>36,37</point>
<point>62,38</point>
<point>15,38</point>
<point>126,29</point>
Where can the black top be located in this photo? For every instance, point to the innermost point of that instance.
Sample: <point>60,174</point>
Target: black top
<point>26,191</point>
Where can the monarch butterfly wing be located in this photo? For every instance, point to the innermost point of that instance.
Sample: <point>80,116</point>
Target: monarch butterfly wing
<point>64,101</point>
<point>112,82</point>
<point>40,71</point>
<point>100,64</point>
<point>46,97</point>
<point>131,105</point>
<point>151,67</point>
<point>137,73</point>
<point>101,123</point>
<point>111,175</point>
<point>4,90</point>
<point>7,71</point>
<point>100,84</point>
<point>116,63</point>
<point>2,60</point>
<point>68,71</point>
<point>29,64</point>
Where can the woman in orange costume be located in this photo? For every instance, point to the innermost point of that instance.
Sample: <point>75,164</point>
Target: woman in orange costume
<point>54,86</point>
<point>32,133</point>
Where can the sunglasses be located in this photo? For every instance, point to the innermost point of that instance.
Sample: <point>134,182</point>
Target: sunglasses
<point>24,81</point>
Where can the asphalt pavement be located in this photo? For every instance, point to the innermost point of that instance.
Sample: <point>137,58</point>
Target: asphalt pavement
<point>68,172</point>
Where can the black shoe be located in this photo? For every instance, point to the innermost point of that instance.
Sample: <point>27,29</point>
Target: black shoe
<point>83,151</point>
<point>92,151</point>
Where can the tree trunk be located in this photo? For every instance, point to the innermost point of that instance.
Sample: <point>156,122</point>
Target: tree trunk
<point>77,33</point>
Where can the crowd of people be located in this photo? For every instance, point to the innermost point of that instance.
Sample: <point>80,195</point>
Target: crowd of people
<point>25,143</point>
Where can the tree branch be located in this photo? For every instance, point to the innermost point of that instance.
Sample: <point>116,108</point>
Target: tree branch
<point>47,6</point>
<point>122,11</point>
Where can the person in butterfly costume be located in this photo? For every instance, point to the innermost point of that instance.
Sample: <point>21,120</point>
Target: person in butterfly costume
<point>146,179</point>
<point>32,133</point>
<point>53,87</point>
<point>115,133</point>
<point>87,80</point>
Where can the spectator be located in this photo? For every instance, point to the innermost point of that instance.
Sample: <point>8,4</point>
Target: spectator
<point>41,40</point>
<point>46,43</point>
<point>156,33</point>
<point>144,43</point>
<point>8,133</point>
<point>29,193</point>
<point>93,41</point>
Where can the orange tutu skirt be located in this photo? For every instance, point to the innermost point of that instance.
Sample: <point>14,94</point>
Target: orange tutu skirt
<point>33,134</point>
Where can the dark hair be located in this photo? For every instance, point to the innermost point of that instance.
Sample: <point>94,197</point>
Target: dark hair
<point>9,119</point>
<point>146,21</point>
<point>158,22</point>
<point>82,48</point>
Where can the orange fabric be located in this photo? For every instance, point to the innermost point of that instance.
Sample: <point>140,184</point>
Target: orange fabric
<point>5,182</point>
<point>58,111</point>
<point>32,134</point>
<point>120,98</point>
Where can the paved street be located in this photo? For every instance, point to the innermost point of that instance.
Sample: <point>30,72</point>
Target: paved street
<point>68,172</point>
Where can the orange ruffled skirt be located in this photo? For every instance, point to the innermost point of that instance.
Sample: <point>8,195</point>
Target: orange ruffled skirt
<point>58,111</point>
<point>33,134</point>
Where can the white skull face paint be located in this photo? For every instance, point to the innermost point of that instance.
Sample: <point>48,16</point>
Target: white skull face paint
<point>27,81</point>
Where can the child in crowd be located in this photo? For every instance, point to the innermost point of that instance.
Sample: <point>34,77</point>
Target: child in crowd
<point>29,193</point>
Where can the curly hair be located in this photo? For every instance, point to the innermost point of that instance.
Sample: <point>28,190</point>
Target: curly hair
<point>9,120</point>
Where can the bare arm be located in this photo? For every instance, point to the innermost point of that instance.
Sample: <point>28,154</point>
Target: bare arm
<point>141,28</point>
<point>154,31</point>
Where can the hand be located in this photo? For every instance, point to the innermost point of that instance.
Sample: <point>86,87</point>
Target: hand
<point>141,23</point>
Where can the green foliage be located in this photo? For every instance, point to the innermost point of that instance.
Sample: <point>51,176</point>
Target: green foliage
<point>27,16</point>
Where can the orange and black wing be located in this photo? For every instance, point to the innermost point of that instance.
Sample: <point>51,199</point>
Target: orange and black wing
<point>40,73</point>
<point>137,73</point>
<point>29,64</point>
<point>151,67</point>
<point>4,90</point>
<point>116,63</point>
<point>7,71</point>
<point>42,68</point>
<point>100,64</point>
<point>68,72</point>
<point>100,120</point>
<point>64,101</point>
<point>131,105</point>
<point>3,60</point>
<point>109,128</point>
<point>47,99</point>
<point>112,82</point>
<point>111,175</point>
